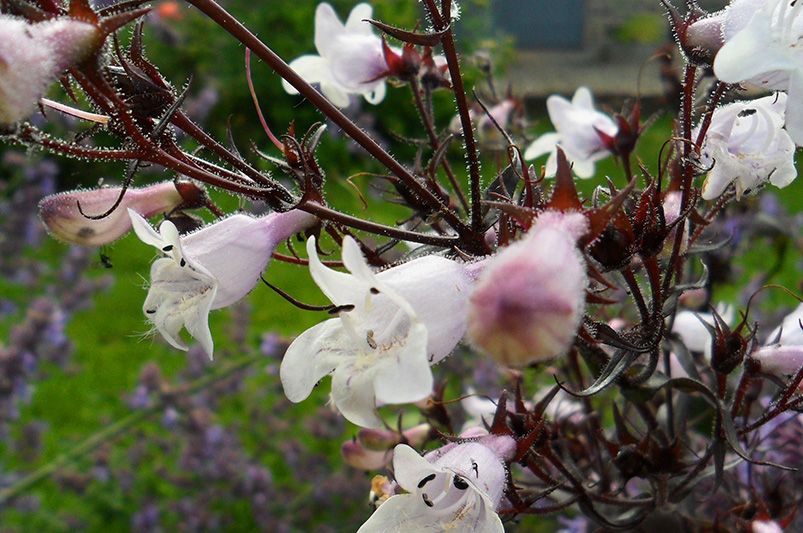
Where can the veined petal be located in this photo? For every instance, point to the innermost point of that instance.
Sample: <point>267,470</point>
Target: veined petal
<point>401,513</point>
<point>353,395</point>
<point>407,378</point>
<point>751,52</point>
<point>355,22</point>
<point>302,366</point>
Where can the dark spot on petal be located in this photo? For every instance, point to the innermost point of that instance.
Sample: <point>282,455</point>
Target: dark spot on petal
<point>167,248</point>
<point>182,262</point>
<point>425,481</point>
<point>374,290</point>
<point>747,112</point>
<point>460,483</point>
<point>150,311</point>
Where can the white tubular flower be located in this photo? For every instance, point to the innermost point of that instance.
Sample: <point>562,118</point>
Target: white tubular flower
<point>455,488</point>
<point>392,326</point>
<point>761,48</point>
<point>209,269</point>
<point>350,60</point>
<point>60,214</point>
<point>31,58</point>
<point>746,145</point>
<point>577,127</point>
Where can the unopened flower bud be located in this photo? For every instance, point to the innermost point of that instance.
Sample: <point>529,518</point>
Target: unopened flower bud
<point>703,39</point>
<point>782,361</point>
<point>362,458</point>
<point>63,219</point>
<point>33,55</point>
<point>383,439</point>
<point>528,302</point>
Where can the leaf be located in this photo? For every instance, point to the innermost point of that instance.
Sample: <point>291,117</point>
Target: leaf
<point>617,366</point>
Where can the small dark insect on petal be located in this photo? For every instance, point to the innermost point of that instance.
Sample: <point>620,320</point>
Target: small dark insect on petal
<point>460,483</point>
<point>167,248</point>
<point>374,290</point>
<point>747,112</point>
<point>425,481</point>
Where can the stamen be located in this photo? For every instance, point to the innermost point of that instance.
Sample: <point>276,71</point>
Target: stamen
<point>425,480</point>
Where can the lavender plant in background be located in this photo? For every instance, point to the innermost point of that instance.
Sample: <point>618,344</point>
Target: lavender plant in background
<point>619,399</point>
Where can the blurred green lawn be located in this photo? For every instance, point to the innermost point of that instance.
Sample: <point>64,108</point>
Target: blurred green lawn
<point>110,346</point>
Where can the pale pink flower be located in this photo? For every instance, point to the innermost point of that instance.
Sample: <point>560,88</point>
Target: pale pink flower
<point>530,298</point>
<point>209,269</point>
<point>350,60</point>
<point>577,131</point>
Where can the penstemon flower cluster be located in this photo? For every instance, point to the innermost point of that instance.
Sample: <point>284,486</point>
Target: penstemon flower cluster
<point>624,395</point>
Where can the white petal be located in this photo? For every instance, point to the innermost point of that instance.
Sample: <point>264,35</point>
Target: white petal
<point>335,93</point>
<point>377,94</point>
<point>409,468</point>
<point>437,289</point>
<point>750,53</point>
<point>353,395</point>
<point>401,513</point>
<point>794,110</point>
<point>545,144</point>
<point>234,251</point>
<point>301,367</point>
<point>355,262</point>
<point>583,99</point>
<point>583,168</point>
<point>312,68</point>
<point>144,230</point>
<point>358,14</point>
<point>339,287</point>
<point>327,28</point>
<point>407,378</point>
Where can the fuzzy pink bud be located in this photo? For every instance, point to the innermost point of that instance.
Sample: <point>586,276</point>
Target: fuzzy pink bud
<point>32,56</point>
<point>60,213</point>
<point>529,300</point>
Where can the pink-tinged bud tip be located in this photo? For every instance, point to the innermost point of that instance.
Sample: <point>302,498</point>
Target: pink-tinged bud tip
<point>63,219</point>
<point>361,458</point>
<point>529,300</point>
<point>782,361</point>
